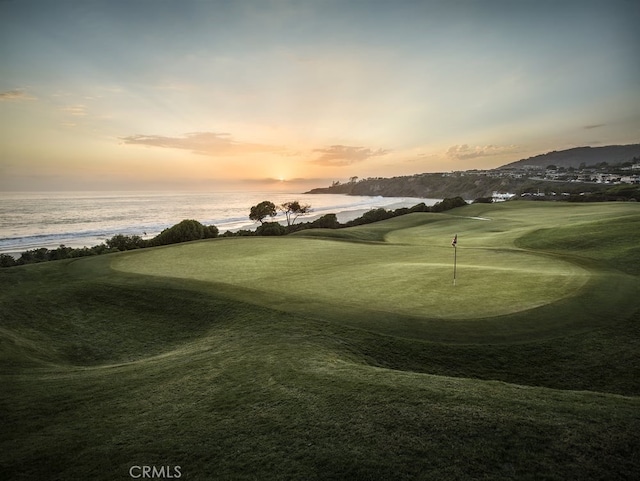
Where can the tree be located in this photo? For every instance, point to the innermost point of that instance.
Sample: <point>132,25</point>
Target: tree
<point>262,210</point>
<point>293,210</point>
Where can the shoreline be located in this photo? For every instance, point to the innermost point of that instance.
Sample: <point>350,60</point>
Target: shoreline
<point>78,240</point>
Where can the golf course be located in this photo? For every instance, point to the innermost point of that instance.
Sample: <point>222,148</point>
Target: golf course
<point>335,354</point>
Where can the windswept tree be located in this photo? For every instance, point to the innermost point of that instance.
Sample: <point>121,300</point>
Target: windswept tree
<point>264,209</point>
<point>292,210</point>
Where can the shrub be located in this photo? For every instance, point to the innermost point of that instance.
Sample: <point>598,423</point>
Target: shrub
<point>185,231</point>
<point>7,261</point>
<point>421,207</point>
<point>271,229</point>
<point>125,243</point>
<point>327,221</point>
<point>448,204</point>
<point>210,232</point>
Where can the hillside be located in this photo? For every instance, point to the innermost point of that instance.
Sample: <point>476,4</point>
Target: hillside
<point>473,184</point>
<point>469,185</point>
<point>586,156</point>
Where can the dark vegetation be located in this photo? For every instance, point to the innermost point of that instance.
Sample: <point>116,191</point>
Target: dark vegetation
<point>626,192</point>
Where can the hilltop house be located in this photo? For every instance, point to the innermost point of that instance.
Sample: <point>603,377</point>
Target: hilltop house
<point>501,196</point>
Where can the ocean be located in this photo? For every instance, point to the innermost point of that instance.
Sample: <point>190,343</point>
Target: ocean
<point>78,219</point>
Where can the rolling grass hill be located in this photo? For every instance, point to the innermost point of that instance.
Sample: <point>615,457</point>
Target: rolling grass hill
<point>336,354</point>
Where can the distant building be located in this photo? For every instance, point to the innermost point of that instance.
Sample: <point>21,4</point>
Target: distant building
<point>502,196</point>
<point>630,179</point>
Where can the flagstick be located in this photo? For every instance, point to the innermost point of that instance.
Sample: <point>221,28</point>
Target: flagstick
<point>455,261</point>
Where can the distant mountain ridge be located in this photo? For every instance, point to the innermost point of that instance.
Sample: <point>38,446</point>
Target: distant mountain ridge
<point>612,154</point>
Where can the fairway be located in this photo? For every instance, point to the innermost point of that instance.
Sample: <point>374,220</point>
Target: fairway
<point>336,354</point>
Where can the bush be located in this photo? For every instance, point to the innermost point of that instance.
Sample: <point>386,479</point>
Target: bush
<point>185,231</point>
<point>327,221</point>
<point>125,242</point>
<point>270,229</point>
<point>210,232</point>
<point>373,215</point>
<point>7,261</point>
<point>34,255</point>
<point>448,204</point>
<point>401,211</point>
<point>61,252</point>
<point>421,207</point>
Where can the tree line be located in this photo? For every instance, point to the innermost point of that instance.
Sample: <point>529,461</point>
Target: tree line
<point>266,209</point>
<point>191,230</point>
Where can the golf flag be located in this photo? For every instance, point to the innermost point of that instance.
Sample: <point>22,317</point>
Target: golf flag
<point>454,242</point>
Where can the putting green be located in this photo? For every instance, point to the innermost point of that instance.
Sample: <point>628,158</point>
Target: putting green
<point>416,280</point>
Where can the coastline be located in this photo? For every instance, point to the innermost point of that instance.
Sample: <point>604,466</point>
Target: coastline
<point>88,221</point>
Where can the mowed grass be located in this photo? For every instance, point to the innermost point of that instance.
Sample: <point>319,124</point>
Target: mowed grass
<point>224,358</point>
<point>390,277</point>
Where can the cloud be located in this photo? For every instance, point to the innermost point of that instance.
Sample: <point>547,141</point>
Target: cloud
<point>342,155</point>
<point>16,94</point>
<point>205,143</point>
<point>78,110</point>
<point>594,126</point>
<point>462,152</point>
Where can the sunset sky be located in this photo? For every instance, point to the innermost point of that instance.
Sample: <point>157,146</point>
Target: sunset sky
<point>168,94</point>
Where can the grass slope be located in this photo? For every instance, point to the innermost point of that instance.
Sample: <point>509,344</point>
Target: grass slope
<point>309,357</point>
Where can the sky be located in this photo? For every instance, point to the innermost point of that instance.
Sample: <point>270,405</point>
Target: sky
<point>258,95</point>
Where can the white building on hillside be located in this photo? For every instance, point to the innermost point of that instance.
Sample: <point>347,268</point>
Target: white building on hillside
<point>502,196</point>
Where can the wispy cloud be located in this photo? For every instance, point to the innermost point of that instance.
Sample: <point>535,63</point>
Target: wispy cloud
<point>464,151</point>
<point>15,95</point>
<point>205,143</point>
<point>77,110</point>
<point>342,155</point>
<point>593,126</point>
